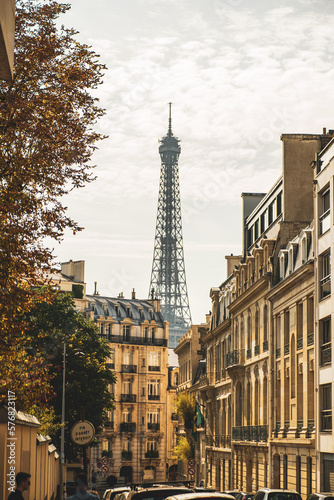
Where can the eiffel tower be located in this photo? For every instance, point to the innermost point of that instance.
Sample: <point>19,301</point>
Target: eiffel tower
<point>168,278</point>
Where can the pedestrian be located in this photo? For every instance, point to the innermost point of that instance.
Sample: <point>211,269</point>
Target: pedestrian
<point>22,484</point>
<point>81,488</point>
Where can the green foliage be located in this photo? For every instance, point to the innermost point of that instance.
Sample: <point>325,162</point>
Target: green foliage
<point>87,379</point>
<point>183,450</point>
<point>185,406</point>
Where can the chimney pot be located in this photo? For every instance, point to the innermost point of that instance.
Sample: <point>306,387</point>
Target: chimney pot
<point>133,294</point>
<point>324,130</point>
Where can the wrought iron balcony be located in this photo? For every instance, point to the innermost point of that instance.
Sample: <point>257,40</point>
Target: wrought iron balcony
<point>110,366</point>
<point>126,455</point>
<point>153,426</point>
<point>128,398</point>
<point>152,454</point>
<point>265,346</point>
<point>310,427</point>
<point>175,417</point>
<point>119,339</point>
<point>250,433</point>
<point>286,428</point>
<point>209,440</point>
<point>129,368</point>
<point>286,349</point>
<point>128,427</point>
<point>299,344</point>
<point>310,339</point>
<point>277,428</point>
<point>235,358</point>
<point>249,353</point>
<point>299,428</point>
<point>257,350</point>
<point>153,397</point>
<point>108,425</point>
<point>107,454</point>
<point>278,352</point>
<point>154,368</point>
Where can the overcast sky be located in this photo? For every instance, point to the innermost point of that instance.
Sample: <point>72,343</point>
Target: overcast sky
<point>239,74</point>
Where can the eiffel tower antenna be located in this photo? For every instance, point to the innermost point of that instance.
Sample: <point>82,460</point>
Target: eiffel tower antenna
<point>168,278</point>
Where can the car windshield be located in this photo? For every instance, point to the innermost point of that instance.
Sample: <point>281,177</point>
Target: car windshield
<point>283,495</point>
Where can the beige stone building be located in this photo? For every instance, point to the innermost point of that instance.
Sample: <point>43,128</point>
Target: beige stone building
<point>292,441</point>
<point>272,440</point>
<point>135,437</point>
<point>324,315</point>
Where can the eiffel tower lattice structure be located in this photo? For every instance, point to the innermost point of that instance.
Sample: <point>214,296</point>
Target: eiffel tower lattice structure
<point>168,278</point>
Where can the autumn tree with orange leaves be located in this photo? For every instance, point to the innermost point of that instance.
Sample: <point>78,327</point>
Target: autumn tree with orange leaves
<point>47,119</point>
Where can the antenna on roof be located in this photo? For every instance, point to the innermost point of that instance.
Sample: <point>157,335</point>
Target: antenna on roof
<point>170,119</point>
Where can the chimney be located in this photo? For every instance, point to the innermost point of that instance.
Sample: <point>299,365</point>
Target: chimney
<point>324,130</point>
<point>133,295</point>
<point>95,289</point>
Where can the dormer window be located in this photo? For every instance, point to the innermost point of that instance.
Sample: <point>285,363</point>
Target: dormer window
<point>128,311</point>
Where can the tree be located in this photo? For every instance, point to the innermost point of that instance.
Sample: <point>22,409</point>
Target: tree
<point>47,119</point>
<point>87,378</point>
<point>185,407</point>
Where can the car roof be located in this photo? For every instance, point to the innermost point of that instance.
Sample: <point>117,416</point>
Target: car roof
<point>198,495</point>
<point>278,490</point>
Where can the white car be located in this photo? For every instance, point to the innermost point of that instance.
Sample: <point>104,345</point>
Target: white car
<point>205,495</point>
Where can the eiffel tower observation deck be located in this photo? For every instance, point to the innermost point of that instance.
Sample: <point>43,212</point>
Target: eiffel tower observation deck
<point>168,278</point>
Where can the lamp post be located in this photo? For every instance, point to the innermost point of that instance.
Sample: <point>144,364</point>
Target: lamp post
<point>62,432</point>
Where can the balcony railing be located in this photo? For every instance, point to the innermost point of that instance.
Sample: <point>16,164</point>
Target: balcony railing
<point>257,350</point>
<point>152,454</point>
<point>126,455</point>
<point>222,441</point>
<point>153,426</point>
<point>299,344</point>
<point>154,368</point>
<point>310,339</point>
<point>277,428</point>
<point>265,346</point>
<point>325,353</point>
<point>108,425</point>
<point>107,454</point>
<point>249,353</point>
<point>236,357</point>
<point>129,368</point>
<point>278,352</point>
<point>128,427</point>
<point>128,398</point>
<point>209,440</point>
<point>310,427</point>
<point>110,366</point>
<point>153,397</point>
<point>250,433</point>
<point>175,417</point>
<point>299,428</point>
<point>286,428</point>
<point>286,349</point>
<point>119,339</point>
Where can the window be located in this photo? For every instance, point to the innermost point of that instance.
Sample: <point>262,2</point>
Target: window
<point>325,274</point>
<point>154,361</point>
<point>256,230</point>
<point>326,407</point>
<point>250,236</point>
<point>279,206</point>
<point>127,387</point>
<point>270,213</point>
<point>127,358</point>
<point>154,389</point>
<point>324,219</point>
<point>126,332</point>
<point>263,223</point>
<point>325,342</point>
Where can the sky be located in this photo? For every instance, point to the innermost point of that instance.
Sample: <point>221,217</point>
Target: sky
<point>239,74</point>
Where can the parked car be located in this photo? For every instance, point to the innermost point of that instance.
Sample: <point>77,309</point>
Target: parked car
<point>244,496</point>
<point>279,494</point>
<point>321,496</point>
<point>205,495</point>
<point>112,492</point>
<point>156,492</point>
<point>234,493</point>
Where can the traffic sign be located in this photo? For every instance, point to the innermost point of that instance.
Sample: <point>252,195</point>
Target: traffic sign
<point>191,462</point>
<point>83,433</point>
<point>105,469</point>
<point>99,465</point>
<point>191,471</point>
<point>104,460</point>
